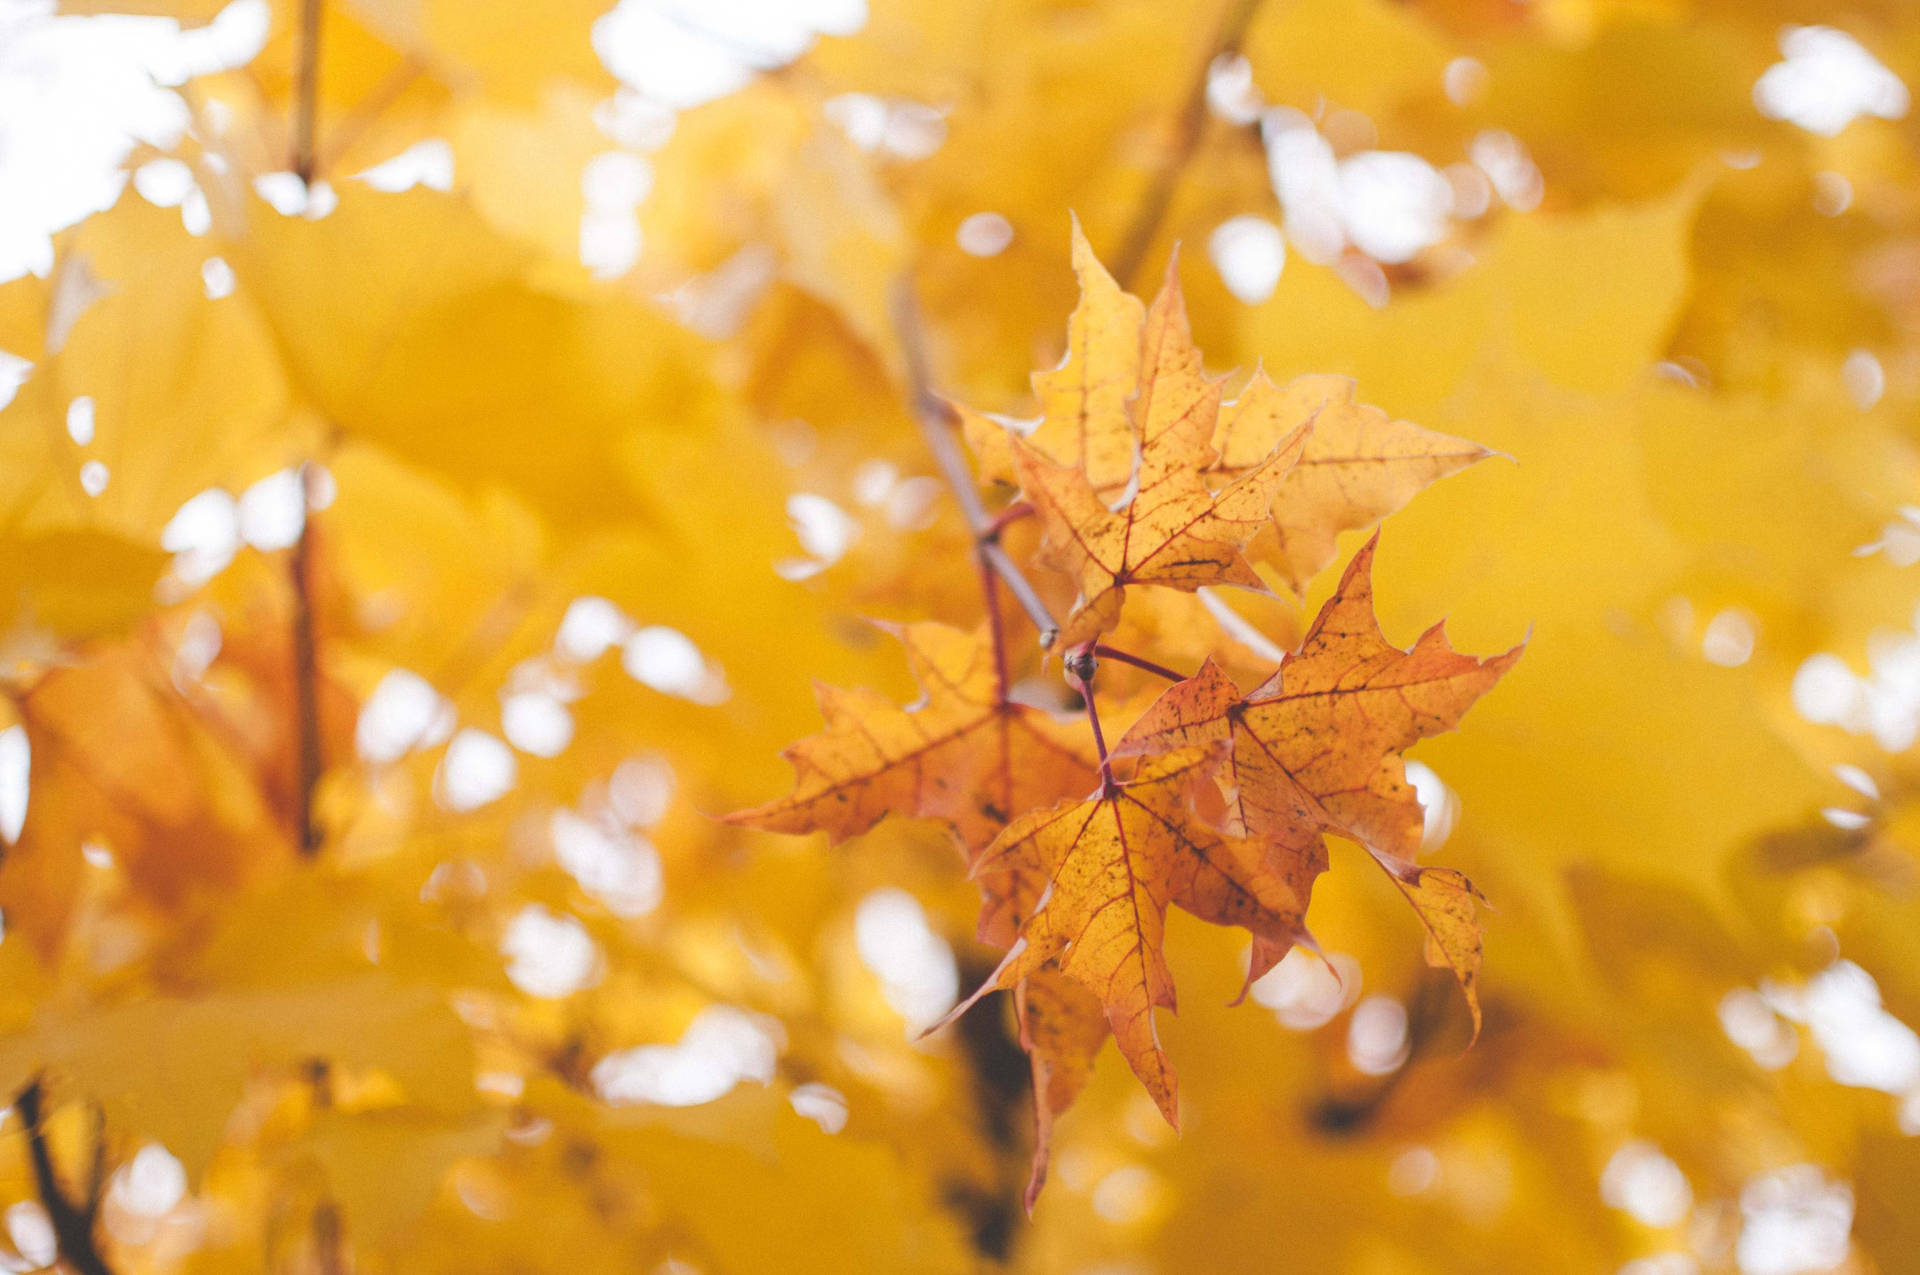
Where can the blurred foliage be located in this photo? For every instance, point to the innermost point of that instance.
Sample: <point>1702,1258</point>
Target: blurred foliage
<point>259,915</point>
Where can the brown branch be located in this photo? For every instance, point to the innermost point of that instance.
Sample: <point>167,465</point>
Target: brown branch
<point>306,89</point>
<point>1158,670</point>
<point>1188,126</point>
<point>1081,666</point>
<point>72,1223</point>
<point>936,420</point>
<point>306,677</point>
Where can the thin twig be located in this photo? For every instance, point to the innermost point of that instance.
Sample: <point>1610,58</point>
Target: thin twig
<point>1080,668</point>
<point>936,421</point>
<point>72,1223</point>
<point>1188,126</point>
<point>1006,518</point>
<point>306,677</point>
<point>1158,670</point>
<point>990,590</point>
<point>306,89</point>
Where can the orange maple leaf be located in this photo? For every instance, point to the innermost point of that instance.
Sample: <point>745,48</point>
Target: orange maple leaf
<point>1357,466</point>
<point>1167,527</point>
<point>1062,1029</point>
<point>1317,748</point>
<point>1113,864</point>
<point>965,755</point>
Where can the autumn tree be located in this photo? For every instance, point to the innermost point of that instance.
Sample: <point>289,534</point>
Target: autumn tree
<point>459,448</point>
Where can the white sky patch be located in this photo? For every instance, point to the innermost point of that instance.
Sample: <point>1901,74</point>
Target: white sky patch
<point>16,769</point>
<point>292,197</point>
<point>1125,1195</point>
<point>403,713</point>
<point>31,1231</point>
<point>1885,703</point>
<point>94,477</point>
<point>897,128</point>
<point>1642,1181</point>
<point>78,93</point>
<point>1439,806</point>
<point>1796,1221</point>
<point>1306,177</point>
<point>1832,193</point>
<point>822,1104</point>
<point>1864,1045</point>
<point>612,185</point>
<point>476,771</point>
<point>591,627</point>
<point>1509,166</point>
<point>273,511</point>
<point>641,790</point>
<point>13,374</point>
<point>549,954</point>
<point>536,722</point>
<point>721,1047</point>
<point>915,966</point>
<point>1864,378</point>
<point>80,420</point>
<point>152,1184</point>
<point>1377,1040</point>
<point>217,277</point>
<point>1413,1171</point>
<point>1899,539</point>
<point>203,535</point>
<point>1749,1022</point>
<point>985,234</point>
<point>1305,992</point>
<point>1388,205</point>
<point>1729,637</point>
<point>1393,204</point>
<point>1464,80</point>
<point>1249,252</point>
<point>613,864</point>
<point>164,183</point>
<point>1827,81</point>
<point>1231,93</point>
<point>685,52</point>
<point>426,163</point>
<point>668,661</point>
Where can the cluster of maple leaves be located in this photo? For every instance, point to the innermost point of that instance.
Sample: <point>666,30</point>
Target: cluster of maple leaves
<point>1213,800</point>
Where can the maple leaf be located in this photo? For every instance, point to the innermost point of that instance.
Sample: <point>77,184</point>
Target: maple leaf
<point>1084,421</point>
<point>1357,464</point>
<point>1316,749</point>
<point>1062,1028</point>
<point>966,755</point>
<point>1168,528</point>
<point>1113,864</point>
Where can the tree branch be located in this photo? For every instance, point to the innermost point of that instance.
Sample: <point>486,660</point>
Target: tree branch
<point>1188,126</point>
<point>72,1223</point>
<point>306,89</point>
<point>936,421</point>
<point>1158,670</point>
<point>306,677</point>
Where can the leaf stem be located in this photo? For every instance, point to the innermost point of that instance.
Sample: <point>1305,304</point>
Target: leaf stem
<point>1006,518</point>
<point>306,680</point>
<point>306,89</point>
<point>996,627</point>
<point>1080,669</point>
<point>72,1223</point>
<point>1158,670</point>
<point>1188,126</point>
<point>936,420</point>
